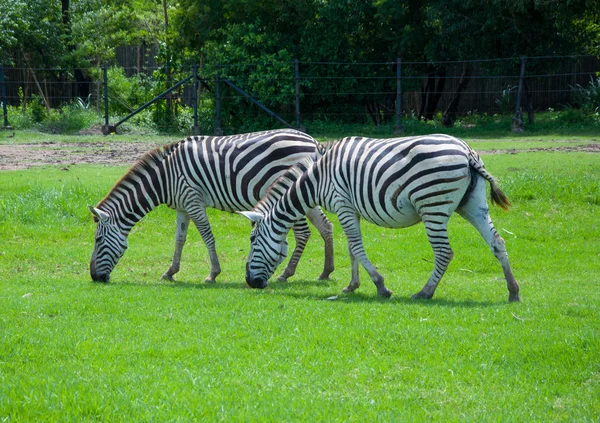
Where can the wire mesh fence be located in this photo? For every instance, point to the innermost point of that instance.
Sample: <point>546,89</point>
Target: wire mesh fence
<point>240,96</point>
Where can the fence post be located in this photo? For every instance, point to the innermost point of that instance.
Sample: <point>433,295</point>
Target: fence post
<point>297,81</point>
<point>517,121</point>
<point>106,129</point>
<point>195,128</point>
<point>398,129</point>
<point>3,100</point>
<point>218,129</point>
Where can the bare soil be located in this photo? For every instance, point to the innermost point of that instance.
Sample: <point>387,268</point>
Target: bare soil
<point>24,156</point>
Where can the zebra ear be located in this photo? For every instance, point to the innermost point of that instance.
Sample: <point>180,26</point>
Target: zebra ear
<point>252,216</point>
<point>99,214</point>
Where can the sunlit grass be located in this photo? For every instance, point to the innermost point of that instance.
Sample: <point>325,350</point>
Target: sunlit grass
<point>142,349</point>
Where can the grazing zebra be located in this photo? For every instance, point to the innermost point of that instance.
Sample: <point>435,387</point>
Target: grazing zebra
<point>227,173</point>
<point>392,183</point>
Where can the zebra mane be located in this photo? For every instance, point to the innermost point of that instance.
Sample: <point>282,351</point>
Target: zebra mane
<point>282,184</point>
<point>147,160</point>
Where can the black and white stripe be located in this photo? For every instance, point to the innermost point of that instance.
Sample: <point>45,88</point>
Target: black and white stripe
<point>392,183</point>
<point>228,173</point>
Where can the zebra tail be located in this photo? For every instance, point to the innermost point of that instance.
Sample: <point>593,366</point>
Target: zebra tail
<point>498,196</point>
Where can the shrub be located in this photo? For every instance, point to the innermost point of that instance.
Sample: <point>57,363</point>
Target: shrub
<point>69,118</point>
<point>587,98</point>
<point>19,119</point>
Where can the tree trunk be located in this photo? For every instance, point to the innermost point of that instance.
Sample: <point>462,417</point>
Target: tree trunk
<point>450,114</point>
<point>83,82</point>
<point>374,111</point>
<point>431,94</point>
<point>425,89</point>
<point>434,97</point>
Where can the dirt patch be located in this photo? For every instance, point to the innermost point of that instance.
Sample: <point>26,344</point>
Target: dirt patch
<point>24,156</point>
<point>589,148</point>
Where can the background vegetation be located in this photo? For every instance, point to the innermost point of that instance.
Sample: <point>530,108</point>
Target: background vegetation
<point>257,42</point>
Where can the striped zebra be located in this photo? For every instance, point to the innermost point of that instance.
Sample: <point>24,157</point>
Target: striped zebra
<point>393,183</point>
<point>227,173</point>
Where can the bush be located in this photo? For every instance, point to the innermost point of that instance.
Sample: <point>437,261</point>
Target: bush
<point>18,119</point>
<point>69,118</point>
<point>37,108</point>
<point>587,98</point>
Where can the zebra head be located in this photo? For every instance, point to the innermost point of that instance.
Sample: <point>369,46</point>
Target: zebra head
<point>109,247</point>
<point>267,251</point>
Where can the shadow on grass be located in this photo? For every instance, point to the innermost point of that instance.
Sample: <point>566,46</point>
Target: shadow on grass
<point>296,290</point>
<point>302,289</point>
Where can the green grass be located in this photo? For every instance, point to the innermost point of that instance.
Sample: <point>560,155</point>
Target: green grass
<point>142,349</point>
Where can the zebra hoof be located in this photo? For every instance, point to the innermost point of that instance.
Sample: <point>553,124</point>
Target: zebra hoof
<point>422,296</point>
<point>350,288</point>
<point>514,297</point>
<point>209,280</point>
<point>324,277</point>
<point>386,293</point>
<point>167,277</point>
<point>282,278</point>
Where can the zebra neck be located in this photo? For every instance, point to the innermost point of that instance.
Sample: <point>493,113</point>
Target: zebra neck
<point>297,201</point>
<point>132,198</point>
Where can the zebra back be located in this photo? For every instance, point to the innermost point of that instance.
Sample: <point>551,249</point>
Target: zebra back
<point>282,185</point>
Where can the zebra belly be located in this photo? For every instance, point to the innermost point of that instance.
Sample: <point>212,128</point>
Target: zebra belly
<point>390,217</point>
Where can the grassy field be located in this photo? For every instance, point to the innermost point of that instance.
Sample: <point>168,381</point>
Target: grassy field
<point>142,349</point>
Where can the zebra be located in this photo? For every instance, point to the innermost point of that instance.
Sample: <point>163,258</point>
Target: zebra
<point>229,173</point>
<point>392,183</point>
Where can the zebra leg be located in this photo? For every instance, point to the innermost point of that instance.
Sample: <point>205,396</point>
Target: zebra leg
<point>355,280</point>
<point>183,222</point>
<point>475,211</point>
<point>301,233</point>
<point>201,220</point>
<point>350,223</point>
<point>325,228</point>
<point>437,234</point>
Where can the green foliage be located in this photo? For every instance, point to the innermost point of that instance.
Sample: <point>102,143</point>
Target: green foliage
<point>587,98</point>
<point>99,26</point>
<point>127,93</point>
<point>31,32</point>
<point>504,102</point>
<point>68,118</point>
<point>347,32</point>
<point>19,120</point>
<point>37,108</point>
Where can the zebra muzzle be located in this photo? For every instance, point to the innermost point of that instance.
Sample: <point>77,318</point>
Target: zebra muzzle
<point>255,281</point>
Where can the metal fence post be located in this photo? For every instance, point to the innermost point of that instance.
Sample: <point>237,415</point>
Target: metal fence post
<point>517,121</point>
<point>297,81</point>
<point>218,129</point>
<point>3,100</point>
<point>195,128</point>
<point>398,129</point>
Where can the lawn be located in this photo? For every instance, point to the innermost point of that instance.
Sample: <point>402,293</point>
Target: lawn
<point>142,349</point>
